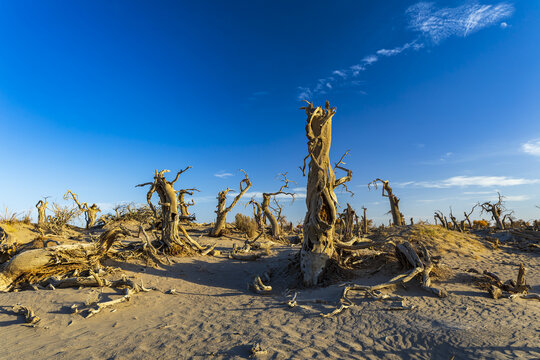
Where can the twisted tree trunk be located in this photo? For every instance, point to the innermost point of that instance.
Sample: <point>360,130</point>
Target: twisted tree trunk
<point>221,218</point>
<point>318,245</point>
<point>275,227</point>
<point>90,212</point>
<point>170,237</point>
<point>42,209</point>
<point>258,214</point>
<point>496,210</point>
<point>397,216</point>
<point>183,205</point>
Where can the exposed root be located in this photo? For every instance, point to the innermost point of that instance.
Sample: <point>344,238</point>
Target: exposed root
<point>258,286</point>
<point>29,316</point>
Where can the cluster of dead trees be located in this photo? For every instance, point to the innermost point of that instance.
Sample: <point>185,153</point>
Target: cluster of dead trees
<point>326,234</point>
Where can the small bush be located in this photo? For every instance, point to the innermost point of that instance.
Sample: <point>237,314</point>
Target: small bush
<point>8,217</point>
<point>62,215</point>
<point>479,224</point>
<point>246,224</point>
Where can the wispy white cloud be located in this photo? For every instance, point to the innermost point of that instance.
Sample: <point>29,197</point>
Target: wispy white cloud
<point>223,174</point>
<point>439,24</point>
<point>517,198</point>
<point>464,181</point>
<point>258,195</point>
<point>433,24</point>
<point>532,147</point>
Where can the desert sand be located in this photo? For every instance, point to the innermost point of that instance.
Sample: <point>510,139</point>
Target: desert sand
<point>202,307</point>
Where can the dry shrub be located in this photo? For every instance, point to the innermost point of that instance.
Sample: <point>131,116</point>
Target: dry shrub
<point>62,215</point>
<point>9,217</point>
<point>478,224</point>
<point>246,224</point>
<point>126,212</point>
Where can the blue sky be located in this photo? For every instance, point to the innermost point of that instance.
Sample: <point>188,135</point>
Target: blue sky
<point>440,98</point>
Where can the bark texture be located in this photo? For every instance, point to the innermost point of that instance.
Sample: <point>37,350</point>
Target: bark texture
<point>318,245</point>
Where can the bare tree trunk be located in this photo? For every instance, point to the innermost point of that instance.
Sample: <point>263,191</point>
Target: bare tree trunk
<point>170,237</point>
<point>221,218</point>
<point>495,209</point>
<point>397,216</point>
<point>42,209</point>
<point>348,223</point>
<point>442,219</point>
<point>258,214</point>
<point>90,212</point>
<point>183,205</point>
<point>365,222</point>
<point>318,245</point>
<point>275,229</point>
<point>455,222</point>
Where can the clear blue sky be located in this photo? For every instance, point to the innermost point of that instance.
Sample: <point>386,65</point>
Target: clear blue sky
<point>440,98</point>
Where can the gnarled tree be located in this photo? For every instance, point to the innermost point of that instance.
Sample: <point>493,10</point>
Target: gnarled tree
<point>170,239</point>
<point>457,226</point>
<point>321,201</point>
<point>221,211</point>
<point>42,211</point>
<point>275,228</point>
<point>439,215</point>
<point>468,216</point>
<point>90,212</point>
<point>258,214</point>
<point>397,216</point>
<point>495,209</point>
<point>183,205</point>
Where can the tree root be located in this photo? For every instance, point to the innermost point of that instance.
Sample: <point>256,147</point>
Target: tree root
<point>258,286</point>
<point>408,255</point>
<point>130,288</point>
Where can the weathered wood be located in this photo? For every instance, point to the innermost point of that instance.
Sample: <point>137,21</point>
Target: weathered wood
<point>318,244</point>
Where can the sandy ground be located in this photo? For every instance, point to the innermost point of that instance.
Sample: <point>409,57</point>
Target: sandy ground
<point>214,315</point>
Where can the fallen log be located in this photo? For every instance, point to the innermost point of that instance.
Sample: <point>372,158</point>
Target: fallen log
<point>35,265</point>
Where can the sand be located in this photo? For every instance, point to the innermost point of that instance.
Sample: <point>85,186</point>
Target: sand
<point>213,314</point>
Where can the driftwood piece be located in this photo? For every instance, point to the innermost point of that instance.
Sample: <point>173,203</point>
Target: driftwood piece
<point>29,316</point>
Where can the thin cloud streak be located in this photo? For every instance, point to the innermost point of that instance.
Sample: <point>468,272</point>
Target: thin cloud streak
<point>464,181</point>
<point>433,25</point>
<point>439,24</point>
<point>223,175</point>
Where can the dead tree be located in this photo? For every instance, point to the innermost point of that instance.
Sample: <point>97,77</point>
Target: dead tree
<point>258,214</point>
<point>221,218</point>
<point>496,210</point>
<point>34,265</point>
<point>90,212</point>
<point>347,224</point>
<point>321,201</point>
<point>364,221</point>
<point>439,215</point>
<point>457,225</point>
<point>275,228</point>
<point>467,216</point>
<point>397,216</point>
<point>42,209</point>
<point>170,239</point>
<point>183,205</point>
